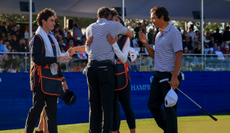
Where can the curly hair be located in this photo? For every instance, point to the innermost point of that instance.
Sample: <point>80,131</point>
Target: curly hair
<point>159,11</point>
<point>45,14</point>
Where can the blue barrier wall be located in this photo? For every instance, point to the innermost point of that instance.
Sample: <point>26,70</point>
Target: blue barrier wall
<point>211,90</point>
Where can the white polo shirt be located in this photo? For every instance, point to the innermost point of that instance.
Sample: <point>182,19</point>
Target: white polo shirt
<point>167,43</point>
<point>100,49</point>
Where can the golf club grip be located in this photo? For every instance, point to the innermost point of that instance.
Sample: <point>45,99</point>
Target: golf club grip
<point>209,114</point>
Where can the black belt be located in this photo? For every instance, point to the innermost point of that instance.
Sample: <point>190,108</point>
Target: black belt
<point>100,62</point>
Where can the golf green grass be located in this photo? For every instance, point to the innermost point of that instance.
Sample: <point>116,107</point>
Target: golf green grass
<point>190,124</point>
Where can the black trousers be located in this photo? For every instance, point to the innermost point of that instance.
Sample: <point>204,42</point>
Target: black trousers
<point>165,120</point>
<point>101,85</point>
<point>123,96</point>
<point>39,101</point>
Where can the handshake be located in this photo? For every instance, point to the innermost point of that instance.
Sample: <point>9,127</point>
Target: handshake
<point>66,59</point>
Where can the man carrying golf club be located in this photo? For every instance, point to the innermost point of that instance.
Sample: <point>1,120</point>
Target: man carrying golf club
<point>168,60</point>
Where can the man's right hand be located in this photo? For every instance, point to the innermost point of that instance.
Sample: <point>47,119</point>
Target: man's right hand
<point>143,38</point>
<point>65,59</point>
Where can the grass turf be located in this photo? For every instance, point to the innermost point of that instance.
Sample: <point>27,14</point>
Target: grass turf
<point>189,124</point>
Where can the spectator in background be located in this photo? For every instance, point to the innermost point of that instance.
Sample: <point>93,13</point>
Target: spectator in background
<point>137,29</point>
<point>134,43</point>
<point>139,42</point>
<point>9,38</point>
<point>211,52</point>
<point>4,28</point>
<point>222,48</point>
<point>62,46</point>
<point>184,35</point>
<point>14,43</point>
<point>56,34</point>
<point>191,34</point>
<point>70,45</point>
<point>150,36</point>
<point>185,50</point>
<point>198,49</point>
<point>77,31</point>
<point>66,30</point>
<point>6,44</point>
<point>214,47</point>
<point>226,35</point>
<point>76,41</point>
<point>219,53</point>
<point>3,36</point>
<point>8,48</point>
<point>69,37</point>
<point>142,50</point>
<point>83,40</point>
<point>59,37</point>
<point>226,51</point>
<point>21,47</point>
<point>19,33</point>
<point>2,47</point>
<point>197,35</point>
<point>187,44</point>
<point>194,44</point>
<point>211,42</point>
<point>57,29</point>
<point>208,36</point>
<point>217,36</point>
<point>11,27</point>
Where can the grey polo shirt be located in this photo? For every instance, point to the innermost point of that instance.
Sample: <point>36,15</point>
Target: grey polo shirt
<point>101,49</point>
<point>167,43</point>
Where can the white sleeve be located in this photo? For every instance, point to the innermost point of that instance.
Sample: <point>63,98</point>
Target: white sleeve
<point>126,47</point>
<point>119,53</point>
<point>87,49</point>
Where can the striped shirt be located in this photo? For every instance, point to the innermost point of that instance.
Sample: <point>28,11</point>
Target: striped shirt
<point>101,49</point>
<point>167,43</point>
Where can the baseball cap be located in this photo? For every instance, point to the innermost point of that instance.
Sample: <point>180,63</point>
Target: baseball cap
<point>211,49</point>
<point>68,97</point>
<point>18,25</point>
<point>171,98</point>
<point>75,35</point>
<point>227,46</point>
<point>132,54</point>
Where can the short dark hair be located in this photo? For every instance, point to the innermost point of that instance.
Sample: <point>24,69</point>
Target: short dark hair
<point>103,12</point>
<point>45,14</point>
<point>159,11</point>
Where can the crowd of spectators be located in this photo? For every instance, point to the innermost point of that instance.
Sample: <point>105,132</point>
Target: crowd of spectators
<point>12,40</point>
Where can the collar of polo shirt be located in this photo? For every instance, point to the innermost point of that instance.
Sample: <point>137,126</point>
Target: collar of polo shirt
<point>101,20</point>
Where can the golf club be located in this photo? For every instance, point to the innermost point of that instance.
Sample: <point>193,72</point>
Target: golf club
<point>167,79</point>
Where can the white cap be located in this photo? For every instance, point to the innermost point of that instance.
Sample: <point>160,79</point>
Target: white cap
<point>132,54</point>
<point>211,49</point>
<point>18,25</point>
<point>227,46</point>
<point>171,98</point>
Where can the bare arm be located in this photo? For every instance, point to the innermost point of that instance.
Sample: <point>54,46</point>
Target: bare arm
<point>129,34</point>
<point>82,48</point>
<point>143,39</point>
<point>178,62</point>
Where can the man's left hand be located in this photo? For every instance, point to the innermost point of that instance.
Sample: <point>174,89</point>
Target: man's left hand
<point>174,83</point>
<point>64,85</point>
